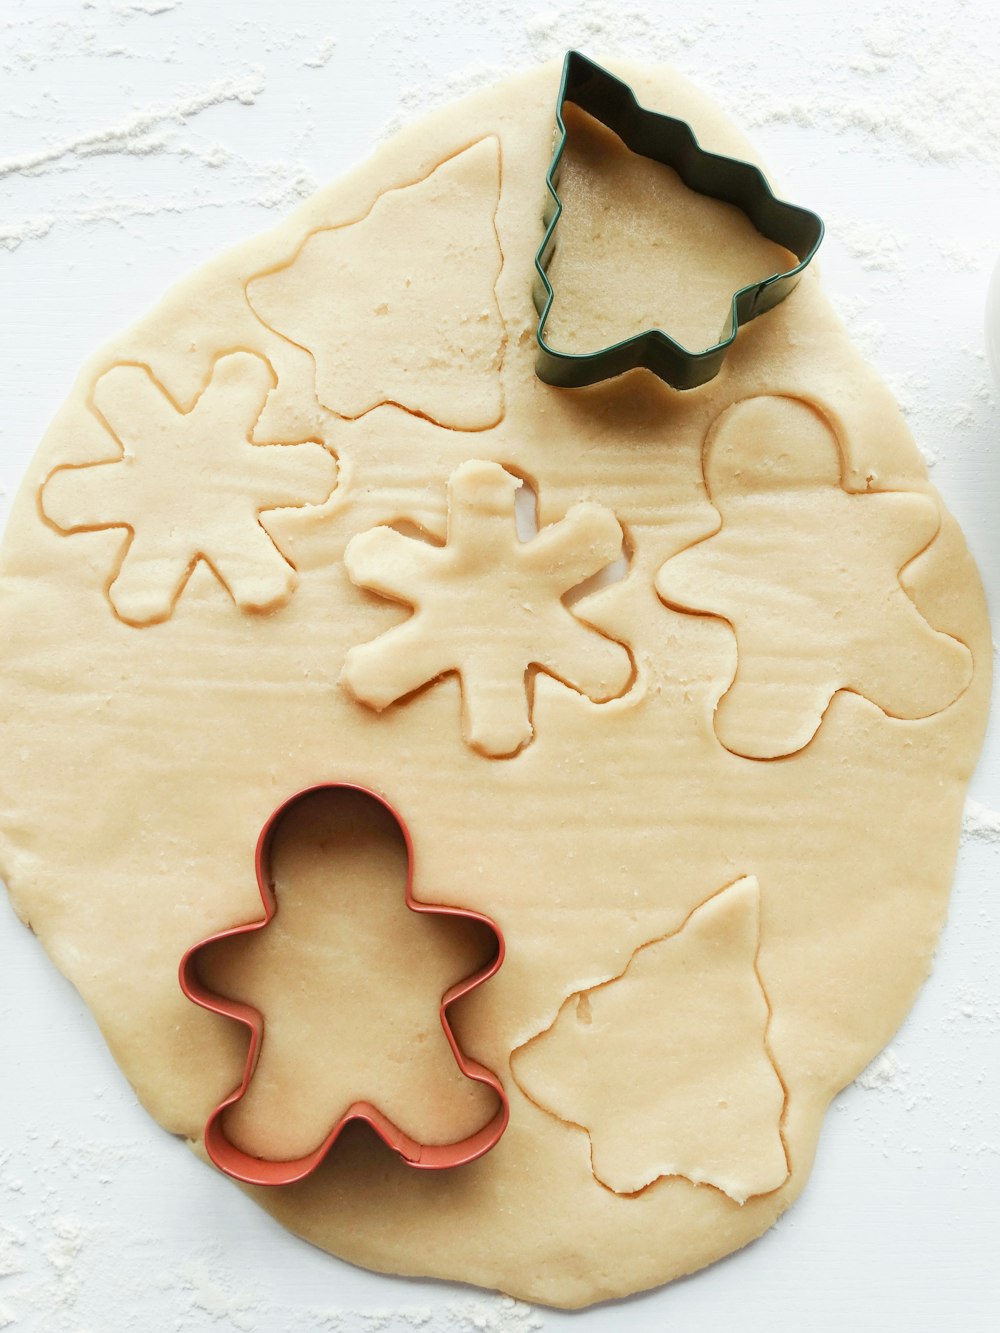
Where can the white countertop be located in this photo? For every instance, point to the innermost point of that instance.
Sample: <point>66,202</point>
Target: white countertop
<point>136,140</point>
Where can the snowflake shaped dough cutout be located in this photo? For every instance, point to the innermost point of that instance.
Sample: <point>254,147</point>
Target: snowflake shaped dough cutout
<point>488,607</point>
<point>808,576</point>
<point>190,486</point>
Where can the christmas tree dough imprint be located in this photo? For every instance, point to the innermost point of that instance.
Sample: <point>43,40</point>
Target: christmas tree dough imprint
<point>488,607</point>
<point>808,576</point>
<point>396,306</point>
<point>189,486</point>
<point>693,1092</point>
<point>598,299</point>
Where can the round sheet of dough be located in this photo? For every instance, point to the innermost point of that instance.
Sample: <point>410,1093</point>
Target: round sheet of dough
<point>271,541</point>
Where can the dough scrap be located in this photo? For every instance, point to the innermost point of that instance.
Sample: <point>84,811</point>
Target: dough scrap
<point>666,1066</point>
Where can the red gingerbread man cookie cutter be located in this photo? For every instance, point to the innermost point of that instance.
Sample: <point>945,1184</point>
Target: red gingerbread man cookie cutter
<point>253,1170</point>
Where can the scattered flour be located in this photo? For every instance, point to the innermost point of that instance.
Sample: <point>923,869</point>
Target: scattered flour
<point>142,133</point>
<point>884,1072</point>
<point>913,83</point>
<point>873,246</point>
<point>40,1269</point>
<point>980,824</point>
<point>891,1080</point>
<point>12,234</point>
<point>209,1296</point>
<point>502,1314</point>
<point>244,1309</point>
<point>962,258</point>
<point>277,186</point>
<point>322,55</point>
<point>145,8</point>
<point>271,184</point>
<point>65,1245</point>
<point>940,105</point>
<point>12,1243</point>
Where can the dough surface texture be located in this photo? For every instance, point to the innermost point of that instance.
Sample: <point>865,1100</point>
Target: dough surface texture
<point>683,690</point>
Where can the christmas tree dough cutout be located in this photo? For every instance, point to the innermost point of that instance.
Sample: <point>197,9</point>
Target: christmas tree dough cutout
<point>489,607</point>
<point>808,576</point>
<point>384,328</point>
<point>666,1067</point>
<point>189,486</point>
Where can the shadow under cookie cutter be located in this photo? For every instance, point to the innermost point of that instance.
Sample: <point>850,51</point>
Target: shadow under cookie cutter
<point>665,139</point>
<point>253,1170</point>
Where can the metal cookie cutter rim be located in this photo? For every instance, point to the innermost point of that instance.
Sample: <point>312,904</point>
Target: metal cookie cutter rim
<point>671,141</point>
<point>253,1170</point>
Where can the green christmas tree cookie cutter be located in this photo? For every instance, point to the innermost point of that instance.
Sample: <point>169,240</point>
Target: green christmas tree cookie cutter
<point>671,141</point>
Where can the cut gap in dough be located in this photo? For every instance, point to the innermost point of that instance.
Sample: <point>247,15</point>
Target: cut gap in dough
<point>525,509</point>
<point>616,572</point>
<point>407,528</point>
<point>526,522</point>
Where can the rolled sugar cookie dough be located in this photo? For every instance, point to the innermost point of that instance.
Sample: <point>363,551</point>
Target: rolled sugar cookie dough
<point>683,690</point>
